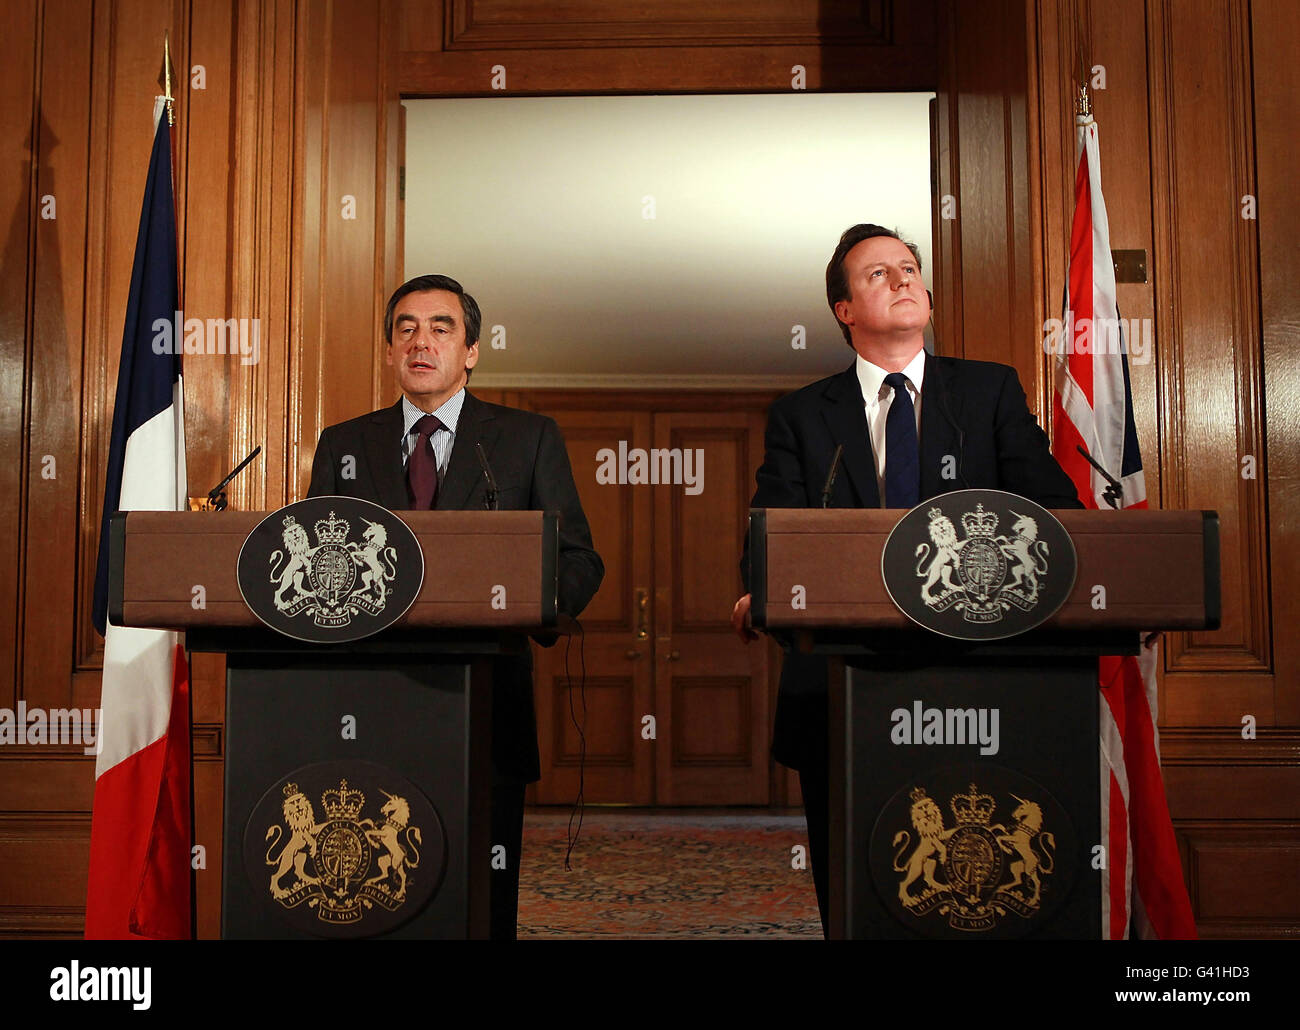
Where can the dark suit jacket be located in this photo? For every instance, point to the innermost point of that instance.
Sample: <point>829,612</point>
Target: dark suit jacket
<point>526,454</point>
<point>974,411</point>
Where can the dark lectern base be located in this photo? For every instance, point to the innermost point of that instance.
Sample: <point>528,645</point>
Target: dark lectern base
<point>930,837</point>
<point>357,795</point>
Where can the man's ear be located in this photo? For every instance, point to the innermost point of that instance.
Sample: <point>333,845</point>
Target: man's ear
<point>471,355</point>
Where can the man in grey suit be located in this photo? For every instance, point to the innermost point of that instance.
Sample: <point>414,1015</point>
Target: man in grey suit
<point>422,453</point>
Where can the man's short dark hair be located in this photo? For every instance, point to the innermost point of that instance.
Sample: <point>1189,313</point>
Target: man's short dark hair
<point>422,283</point>
<point>837,283</point>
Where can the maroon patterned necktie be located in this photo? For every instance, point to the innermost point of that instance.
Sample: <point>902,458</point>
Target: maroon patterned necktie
<point>422,469</point>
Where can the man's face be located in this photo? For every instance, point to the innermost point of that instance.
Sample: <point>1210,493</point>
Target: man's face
<point>428,347</point>
<point>887,297</point>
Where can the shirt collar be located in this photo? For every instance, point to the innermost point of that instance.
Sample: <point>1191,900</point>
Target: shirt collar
<point>448,414</point>
<point>871,377</point>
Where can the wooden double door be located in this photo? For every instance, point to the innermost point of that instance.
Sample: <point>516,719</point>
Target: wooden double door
<point>671,707</point>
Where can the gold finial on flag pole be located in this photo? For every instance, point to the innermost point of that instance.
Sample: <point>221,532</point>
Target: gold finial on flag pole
<point>166,77</point>
<point>1082,101</point>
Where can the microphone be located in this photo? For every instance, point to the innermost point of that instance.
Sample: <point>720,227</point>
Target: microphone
<point>1112,494</point>
<point>490,501</point>
<point>217,495</point>
<point>942,395</point>
<point>830,478</point>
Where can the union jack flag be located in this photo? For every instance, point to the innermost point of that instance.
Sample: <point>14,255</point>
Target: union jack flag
<point>1092,407</point>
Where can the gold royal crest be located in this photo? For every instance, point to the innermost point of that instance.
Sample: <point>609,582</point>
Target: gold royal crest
<point>975,872</point>
<point>331,863</point>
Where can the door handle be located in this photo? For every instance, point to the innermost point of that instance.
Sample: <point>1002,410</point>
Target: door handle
<point>642,613</point>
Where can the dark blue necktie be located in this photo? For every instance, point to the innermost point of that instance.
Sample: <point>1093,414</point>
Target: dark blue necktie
<point>902,456</point>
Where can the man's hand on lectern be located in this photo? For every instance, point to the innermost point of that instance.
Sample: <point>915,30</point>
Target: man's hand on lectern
<point>740,619</point>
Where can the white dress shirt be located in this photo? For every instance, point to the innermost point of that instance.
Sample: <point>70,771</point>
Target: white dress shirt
<point>442,439</point>
<point>877,397</point>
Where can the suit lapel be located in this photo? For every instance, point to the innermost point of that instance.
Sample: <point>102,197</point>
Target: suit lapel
<point>383,443</point>
<point>475,426</point>
<point>846,417</point>
<point>939,439</point>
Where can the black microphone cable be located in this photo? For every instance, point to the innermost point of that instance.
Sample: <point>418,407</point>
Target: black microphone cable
<point>942,395</point>
<point>578,802</point>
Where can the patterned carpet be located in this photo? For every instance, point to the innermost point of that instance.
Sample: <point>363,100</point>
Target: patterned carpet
<point>665,875</point>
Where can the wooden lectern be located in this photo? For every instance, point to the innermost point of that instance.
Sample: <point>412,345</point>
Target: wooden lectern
<point>357,775</point>
<point>965,777</point>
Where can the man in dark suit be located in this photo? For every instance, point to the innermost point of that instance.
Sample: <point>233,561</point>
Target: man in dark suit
<point>423,453</point>
<point>912,426</point>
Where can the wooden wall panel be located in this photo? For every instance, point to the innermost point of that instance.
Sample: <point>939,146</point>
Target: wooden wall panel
<point>209,789</point>
<point>1243,878</point>
<point>341,152</point>
<point>1208,302</point>
<point>1274,36</point>
<point>349,187</point>
<point>679,47</point>
<point>18,130</point>
<point>265,243</point>
<point>984,277</point>
<point>55,368</point>
<point>38,842</point>
<point>44,855</point>
<point>301,108</point>
<point>206,132</point>
<point>502,24</point>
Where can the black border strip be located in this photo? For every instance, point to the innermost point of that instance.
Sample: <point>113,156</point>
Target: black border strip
<point>758,567</point>
<point>116,565</point>
<point>550,567</point>
<point>1210,559</point>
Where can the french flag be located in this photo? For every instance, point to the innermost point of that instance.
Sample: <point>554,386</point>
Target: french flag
<point>1093,408</point>
<point>139,882</point>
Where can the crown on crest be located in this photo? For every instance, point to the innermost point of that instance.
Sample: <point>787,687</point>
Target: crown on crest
<point>935,513</point>
<point>332,530</point>
<point>288,521</point>
<point>979,522</point>
<point>973,808</point>
<point>344,803</point>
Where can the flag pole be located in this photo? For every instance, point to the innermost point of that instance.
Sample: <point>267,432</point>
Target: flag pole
<point>166,76</point>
